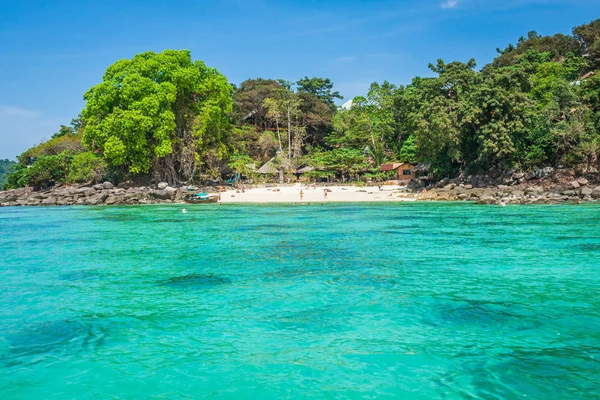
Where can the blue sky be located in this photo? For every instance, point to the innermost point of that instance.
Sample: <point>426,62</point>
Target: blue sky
<point>51,52</point>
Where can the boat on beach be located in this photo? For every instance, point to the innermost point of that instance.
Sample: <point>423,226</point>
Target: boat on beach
<point>202,197</point>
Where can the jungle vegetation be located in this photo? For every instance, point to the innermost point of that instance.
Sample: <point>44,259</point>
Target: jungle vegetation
<point>165,117</point>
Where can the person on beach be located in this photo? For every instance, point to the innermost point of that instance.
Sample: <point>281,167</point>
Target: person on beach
<point>220,190</point>
<point>301,195</point>
<point>325,194</point>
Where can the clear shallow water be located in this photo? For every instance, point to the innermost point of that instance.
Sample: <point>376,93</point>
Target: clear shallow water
<point>413,301</point>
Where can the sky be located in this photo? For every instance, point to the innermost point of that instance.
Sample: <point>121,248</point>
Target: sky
<point>52,51</point>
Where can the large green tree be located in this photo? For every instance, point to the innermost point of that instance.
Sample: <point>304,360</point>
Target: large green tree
<point>156,113</point>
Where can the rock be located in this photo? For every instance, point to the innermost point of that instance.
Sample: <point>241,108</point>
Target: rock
<point>170,189</point>
<point>96,199</point>
<point>413,185</point>
<point>518,175</point>
<point>161,194</point>
<point>162,185</point>
<point>582,181</point>
<point>574,185</point>
<point>487,200</point>
<point>568,193</point>
<point>530,175</point>
<point>596,192</point>
<point>463,196</point>
<point>111,199</point>
<point>443,182</point>
<point>98,187</point>
<point>502,187</point>
<point>468,186</point>
<point>586,191</point>
<point>107,185</point>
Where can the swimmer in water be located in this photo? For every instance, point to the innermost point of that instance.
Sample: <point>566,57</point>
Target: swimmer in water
<point>183,210</point>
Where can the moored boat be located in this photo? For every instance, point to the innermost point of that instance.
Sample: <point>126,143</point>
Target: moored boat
<point>201,198</point>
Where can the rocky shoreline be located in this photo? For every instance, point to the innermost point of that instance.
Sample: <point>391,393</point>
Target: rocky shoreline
<point>544,186</point>
<point>100,194</point>
<point>518,188</point>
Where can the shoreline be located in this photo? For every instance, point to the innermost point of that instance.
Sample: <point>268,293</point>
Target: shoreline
<point>107,194</point>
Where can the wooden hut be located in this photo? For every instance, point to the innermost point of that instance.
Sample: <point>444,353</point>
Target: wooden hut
<point>404,171</point>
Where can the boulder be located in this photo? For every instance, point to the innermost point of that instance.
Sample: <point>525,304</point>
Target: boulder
<point>107,185</point>
<point>487,200</point>
<point>443,182</point>
<point>596,192</point>
<point>170,189</point>
<point>582,181</point>
<point>463,196</point>
<point>96,199</point>
<point>468,186</point>
<point>111,199</point>
<point>586,191</point>
<point>161,194</point>
<point>98,187</point>
<point>518,175</point>
<point>162,185</point>
<point>85,191</point>
<point>574,185</point>
<point>530,175</point>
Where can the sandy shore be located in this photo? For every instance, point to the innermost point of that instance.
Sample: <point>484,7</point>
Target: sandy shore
<point>310,195</point>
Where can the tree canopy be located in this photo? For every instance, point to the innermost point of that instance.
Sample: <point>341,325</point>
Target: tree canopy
<point>163,116</point>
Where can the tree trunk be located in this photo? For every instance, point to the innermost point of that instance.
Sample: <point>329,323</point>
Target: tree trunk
<point>289,136</point>
<point>278,134</point>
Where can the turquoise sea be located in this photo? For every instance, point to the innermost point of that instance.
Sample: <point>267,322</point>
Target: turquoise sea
<point>341,301</point>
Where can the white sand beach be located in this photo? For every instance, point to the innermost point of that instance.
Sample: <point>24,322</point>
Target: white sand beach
<point>291,194</point>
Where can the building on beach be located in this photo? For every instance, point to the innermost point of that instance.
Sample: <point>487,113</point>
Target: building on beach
<point>404,171</point>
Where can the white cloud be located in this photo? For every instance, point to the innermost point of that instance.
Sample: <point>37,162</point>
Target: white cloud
<point>449,4</point>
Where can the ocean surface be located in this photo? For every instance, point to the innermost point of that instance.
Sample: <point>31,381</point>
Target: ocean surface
<point>341,301</point>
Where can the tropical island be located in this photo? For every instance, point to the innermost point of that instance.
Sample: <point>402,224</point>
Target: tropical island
<point>524,128</point>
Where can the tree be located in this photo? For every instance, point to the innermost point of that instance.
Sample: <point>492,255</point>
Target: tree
<point>155,111</point>
<point>87,167</point>
<point>320,87</point>
<point>408,152</point>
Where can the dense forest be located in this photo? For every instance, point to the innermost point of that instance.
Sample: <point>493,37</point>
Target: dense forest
<point>164,117</point>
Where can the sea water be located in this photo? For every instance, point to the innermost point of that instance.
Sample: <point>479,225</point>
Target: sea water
<point>348,301</point>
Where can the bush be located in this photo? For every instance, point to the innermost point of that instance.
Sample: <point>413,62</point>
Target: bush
<point>87,167</point>
<point>52,147</point>
<point>17,178</point>
<point>46,171</point>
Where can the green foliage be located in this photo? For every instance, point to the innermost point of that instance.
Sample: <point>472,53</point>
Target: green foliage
<point>87,167</point>
<point>157,110</point>
<point>321,88</point>
<point>408,152</point>
<point>56,145</point>
<point>6,167</point>
<point>48,170</point>
<point>241,164</point>
<point>18,177</point>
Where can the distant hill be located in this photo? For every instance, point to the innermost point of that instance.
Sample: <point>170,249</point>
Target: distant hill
<point>5,166</point>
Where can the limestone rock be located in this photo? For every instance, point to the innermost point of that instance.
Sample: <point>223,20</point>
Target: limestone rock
<point>582,181</point>
<point>160,194</point>
<point>107,185</point>
<point>162,185</point>
<point>574,185</point>
<point>586,191</point>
